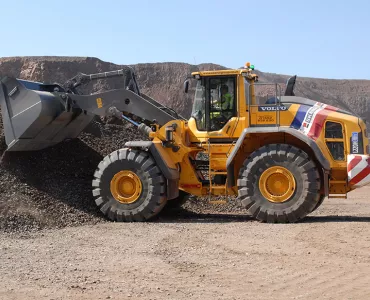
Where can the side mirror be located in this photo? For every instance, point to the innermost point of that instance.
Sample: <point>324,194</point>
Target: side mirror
<point>186,86</point>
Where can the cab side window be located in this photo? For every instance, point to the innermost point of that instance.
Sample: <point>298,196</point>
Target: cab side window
<point>222,101</point>
<point>334,140</point>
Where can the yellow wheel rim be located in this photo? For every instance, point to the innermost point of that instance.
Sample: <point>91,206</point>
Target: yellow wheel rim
<point>126,187</point>
<point>277,184</point>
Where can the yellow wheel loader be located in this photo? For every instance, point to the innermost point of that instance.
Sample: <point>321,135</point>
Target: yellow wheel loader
<point>281,155</point>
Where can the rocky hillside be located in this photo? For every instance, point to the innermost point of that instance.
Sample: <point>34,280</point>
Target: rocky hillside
<point>163,81</point>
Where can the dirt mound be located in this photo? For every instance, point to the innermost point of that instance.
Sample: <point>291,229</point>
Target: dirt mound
<point>52,187</point>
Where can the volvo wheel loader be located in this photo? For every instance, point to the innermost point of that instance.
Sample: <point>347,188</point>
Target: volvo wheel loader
<point>278,153</point>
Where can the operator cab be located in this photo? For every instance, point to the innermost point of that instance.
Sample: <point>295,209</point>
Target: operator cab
<point>215,102</point>
<point>216,98</point>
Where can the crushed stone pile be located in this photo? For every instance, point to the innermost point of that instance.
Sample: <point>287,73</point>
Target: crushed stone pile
<point>51,188</point>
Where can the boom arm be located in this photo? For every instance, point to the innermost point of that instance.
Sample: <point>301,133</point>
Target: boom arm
<point>143,106</point>
<point>38,115</point>
<point>125,101</point>
<point>82,79</point>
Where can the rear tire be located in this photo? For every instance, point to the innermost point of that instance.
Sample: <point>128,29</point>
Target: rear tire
<point>149,196</point>
<point>304,184</point>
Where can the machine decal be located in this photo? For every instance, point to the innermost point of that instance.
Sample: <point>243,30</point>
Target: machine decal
<point>99,102</point>
<point>299,117</point>
<point>319,120</point>
<point>266,119</point>
<point>273,108</point>
<point>310,120</point>
<point>358,168</point>
<point>331,108</point>
<point>318,123</point>
<point>357,146</point>
<point>354,143</point>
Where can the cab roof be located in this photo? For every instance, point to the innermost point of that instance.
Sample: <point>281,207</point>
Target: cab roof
<point>219,72</point>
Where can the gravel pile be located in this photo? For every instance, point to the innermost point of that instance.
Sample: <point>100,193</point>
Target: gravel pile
<point>52,188</point>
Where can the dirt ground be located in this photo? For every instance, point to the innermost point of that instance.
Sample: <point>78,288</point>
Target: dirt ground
<point>196,256</point>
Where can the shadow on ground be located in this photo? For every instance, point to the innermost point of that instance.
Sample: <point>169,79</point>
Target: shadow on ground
<point>335,219</point>
<point>185,216</point>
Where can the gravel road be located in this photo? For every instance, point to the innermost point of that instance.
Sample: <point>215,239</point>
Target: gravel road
<point>196,256</point>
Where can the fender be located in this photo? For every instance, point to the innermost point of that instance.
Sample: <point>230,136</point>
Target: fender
<point>167,167</point>
<point>230,160</point>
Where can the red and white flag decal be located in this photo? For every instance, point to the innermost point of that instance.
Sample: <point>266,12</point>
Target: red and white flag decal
<point>358,168</point>
<point>315,118</point>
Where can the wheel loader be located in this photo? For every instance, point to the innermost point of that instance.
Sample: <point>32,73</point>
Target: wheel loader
<point>279,155</point>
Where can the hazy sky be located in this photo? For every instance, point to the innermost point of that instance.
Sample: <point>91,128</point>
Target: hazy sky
<point>327,38</point>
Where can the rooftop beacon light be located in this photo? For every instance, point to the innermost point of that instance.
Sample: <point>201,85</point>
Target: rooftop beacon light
<point>249,66</point>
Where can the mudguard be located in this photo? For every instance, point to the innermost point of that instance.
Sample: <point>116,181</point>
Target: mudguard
<point>230,161</point>
<point>168,168</point>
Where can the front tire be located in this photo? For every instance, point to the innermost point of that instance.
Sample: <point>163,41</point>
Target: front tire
<point>279,183</point>
<point>128,186</point>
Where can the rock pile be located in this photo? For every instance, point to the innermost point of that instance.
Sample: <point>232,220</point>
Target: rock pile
<point>52,187</point>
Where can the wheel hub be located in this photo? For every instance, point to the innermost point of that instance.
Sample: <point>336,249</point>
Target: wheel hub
<point>277,184</point>
<point>126,187</point>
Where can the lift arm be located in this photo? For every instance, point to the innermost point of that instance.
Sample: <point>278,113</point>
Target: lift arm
<point>38,115</point>
<point>127,73</point>
<point>125,101</point>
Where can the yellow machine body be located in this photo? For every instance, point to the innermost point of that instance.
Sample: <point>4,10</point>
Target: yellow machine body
<point>337,135</point>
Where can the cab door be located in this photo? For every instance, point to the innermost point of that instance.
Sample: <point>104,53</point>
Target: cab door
<point>216,113</point>
<point>222,105</point>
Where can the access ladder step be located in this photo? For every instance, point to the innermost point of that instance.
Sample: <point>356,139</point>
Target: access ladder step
<point>337,197</point>
<point>218,189</point>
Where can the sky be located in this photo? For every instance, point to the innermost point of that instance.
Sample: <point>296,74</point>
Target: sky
<point>309,38</point>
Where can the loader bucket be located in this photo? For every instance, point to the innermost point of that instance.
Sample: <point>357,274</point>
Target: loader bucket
<point>34,119</point>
